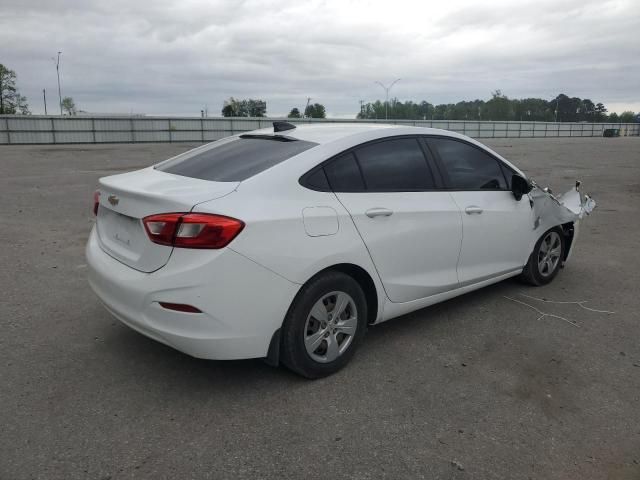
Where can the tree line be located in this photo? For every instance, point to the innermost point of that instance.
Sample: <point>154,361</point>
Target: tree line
<point>234,107</point>
<point>499,108</point>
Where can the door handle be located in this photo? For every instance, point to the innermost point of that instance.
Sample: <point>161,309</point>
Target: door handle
<point>378,212</point>
<point>473,209</point>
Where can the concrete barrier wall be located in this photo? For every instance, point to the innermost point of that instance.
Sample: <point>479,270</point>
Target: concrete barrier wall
<point>18,129</point>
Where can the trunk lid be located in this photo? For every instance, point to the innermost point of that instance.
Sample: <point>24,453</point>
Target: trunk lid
<point>127,198</point>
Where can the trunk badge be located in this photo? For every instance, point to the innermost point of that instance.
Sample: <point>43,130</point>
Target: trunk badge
<point>113,200</point>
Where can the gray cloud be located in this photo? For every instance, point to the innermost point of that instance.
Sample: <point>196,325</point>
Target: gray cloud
<point>172,57</point>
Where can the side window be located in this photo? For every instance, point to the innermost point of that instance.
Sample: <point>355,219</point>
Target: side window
<point>468,167</point>
<point>344,175</point>
<point>394,165</point>
<point>316,181</point>
<point>508,174</point>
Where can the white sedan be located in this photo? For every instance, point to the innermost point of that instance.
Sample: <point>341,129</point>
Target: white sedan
<point>286,243</point>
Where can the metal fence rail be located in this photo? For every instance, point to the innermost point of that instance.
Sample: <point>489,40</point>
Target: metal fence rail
<point>17,130</point>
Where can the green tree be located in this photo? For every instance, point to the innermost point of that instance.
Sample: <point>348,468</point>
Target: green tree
<point>231,108</point>
<point>442,111</point>
<point>316,110</point>
<point>587,111</point>
<point>234,107</point>
<point>294,113</point>
<point>600,113</point>
<point>613,118</point>
<point>533,109</point>
<point>499,107</point>
<point>11,102</point>
<point>69,106</point>
<point>425,110</point>
<point>372,111</point>
<point>628,117</point>
<point>256,108</point>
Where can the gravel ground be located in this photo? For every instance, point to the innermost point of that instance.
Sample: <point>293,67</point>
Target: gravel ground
<point>472,388</point>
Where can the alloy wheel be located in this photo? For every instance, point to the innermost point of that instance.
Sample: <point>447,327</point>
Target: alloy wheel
<point>549,253</point>
<point>330,327</point>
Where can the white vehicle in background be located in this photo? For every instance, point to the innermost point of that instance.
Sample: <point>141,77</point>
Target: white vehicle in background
<point>286,243</point>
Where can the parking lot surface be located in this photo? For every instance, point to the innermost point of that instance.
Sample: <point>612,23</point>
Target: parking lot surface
<point>482,386</point>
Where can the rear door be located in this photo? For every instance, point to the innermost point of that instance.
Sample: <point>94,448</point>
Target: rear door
<point>496,227</point>
<point>412,230</point>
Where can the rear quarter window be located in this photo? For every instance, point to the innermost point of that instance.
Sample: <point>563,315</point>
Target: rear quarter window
<point>344,174</point>
<point>237,159</point>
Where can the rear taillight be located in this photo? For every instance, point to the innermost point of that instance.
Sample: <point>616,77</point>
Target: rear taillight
<point>96,201</point>
<point>192,230</point>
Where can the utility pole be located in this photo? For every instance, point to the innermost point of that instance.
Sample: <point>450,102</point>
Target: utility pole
<point>304,114</point>
<point>362,108</point>
<point>44,95</point>
<point>386,102</point>
<point>58,73</point>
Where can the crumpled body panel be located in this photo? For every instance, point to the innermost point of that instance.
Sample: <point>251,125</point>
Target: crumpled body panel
<point>550,210</point>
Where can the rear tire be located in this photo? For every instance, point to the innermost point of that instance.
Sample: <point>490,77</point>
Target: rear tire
<point>324,325</point>
<point>546,259</point>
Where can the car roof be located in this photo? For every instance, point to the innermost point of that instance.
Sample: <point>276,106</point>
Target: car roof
<point>322,133</point>
<point>327,133</point>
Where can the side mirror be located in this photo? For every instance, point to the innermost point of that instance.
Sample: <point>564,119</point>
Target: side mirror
<point>520,186</point>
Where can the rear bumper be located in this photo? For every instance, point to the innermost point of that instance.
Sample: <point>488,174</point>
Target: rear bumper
<point>242,303</point>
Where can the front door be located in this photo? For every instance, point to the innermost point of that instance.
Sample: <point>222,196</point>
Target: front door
<point>496,228</point>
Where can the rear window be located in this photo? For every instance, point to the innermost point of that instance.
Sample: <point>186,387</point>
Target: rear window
<point>237,159</point>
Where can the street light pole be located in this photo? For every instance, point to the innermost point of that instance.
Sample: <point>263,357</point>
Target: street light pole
<point>304,114</point>
<point>386,91</point>
<point>58,73</point>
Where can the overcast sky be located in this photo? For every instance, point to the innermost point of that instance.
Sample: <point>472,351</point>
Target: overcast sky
<point>175,57</point>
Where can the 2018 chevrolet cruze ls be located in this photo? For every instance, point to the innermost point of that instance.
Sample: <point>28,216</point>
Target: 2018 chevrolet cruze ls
<point>286,243</point>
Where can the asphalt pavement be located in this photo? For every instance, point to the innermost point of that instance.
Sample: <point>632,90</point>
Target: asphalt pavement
<point>477,387</point>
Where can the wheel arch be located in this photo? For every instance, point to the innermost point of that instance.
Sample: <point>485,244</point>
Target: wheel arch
<point>365,281</point>
<point>568,229</point>
<point>356,272</point>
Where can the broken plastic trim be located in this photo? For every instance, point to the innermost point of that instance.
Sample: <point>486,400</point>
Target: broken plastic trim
<point>567,208</point>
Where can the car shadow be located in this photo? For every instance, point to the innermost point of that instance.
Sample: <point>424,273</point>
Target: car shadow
<point>159,363</point>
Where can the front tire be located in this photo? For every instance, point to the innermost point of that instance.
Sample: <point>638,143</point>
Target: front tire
<point>546,259</point>
<point>324,325</point>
